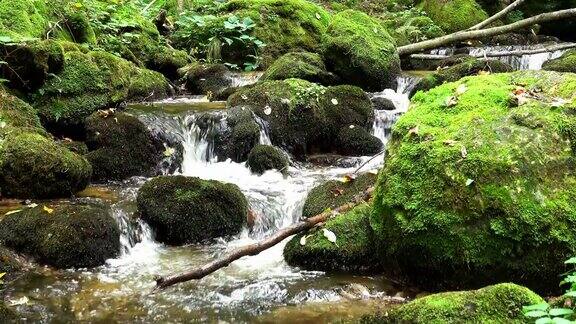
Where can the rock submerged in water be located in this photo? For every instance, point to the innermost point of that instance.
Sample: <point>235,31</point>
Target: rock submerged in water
<point>501,303</point>
<point>478,183</point>
<point>304,117</point>
<point>266,157</point>
<point>184,210</point>
<point>63,236</point>
<point>352,251</point>
<point>121,146</point>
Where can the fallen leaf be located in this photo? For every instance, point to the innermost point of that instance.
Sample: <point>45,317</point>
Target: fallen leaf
<point>337,192</point>
<point>334,101</point>
<point>483,72</point>
<point>12,212</point>
<point>244,97</point>
<point>318,16</point>
<point>169,151</point>
<point>303,240</point>
<point>2,274</point>
<point>518,91</point>
<point>463,151</point>
<point>329,235</point>
<point>285,101</point>
<point>450,142</point>
<point>469,182</point>
<point>2,124</point>
<point>461,89</point>
<point>558,102</point>
<point>32,205</point>
<point>373,171</point>
<point>48,209</point>
<point>267,110</point>
<point>413,131</point>
<point>22,301</point>
<point>351,126</point>
<point>451,101</point>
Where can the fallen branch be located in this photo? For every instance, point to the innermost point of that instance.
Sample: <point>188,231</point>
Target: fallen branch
<point>256,248</point>
<point>498,15</point>
<point>554,48</point>
<point>475,34</point>
<point>369,160</point>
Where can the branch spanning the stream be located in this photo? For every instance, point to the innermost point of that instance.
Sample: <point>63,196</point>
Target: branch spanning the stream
<point>476,34</point>
<point>498,15</point>
<point>554,48</point>
<point>256,248</point>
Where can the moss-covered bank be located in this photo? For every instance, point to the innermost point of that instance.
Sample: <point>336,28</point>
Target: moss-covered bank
<point>565,63</point>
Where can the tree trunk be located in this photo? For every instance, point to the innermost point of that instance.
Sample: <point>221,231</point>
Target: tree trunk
<point>554,48</point>
<point>498,15</point>
<point>475,34</point>
<point>256,248</point>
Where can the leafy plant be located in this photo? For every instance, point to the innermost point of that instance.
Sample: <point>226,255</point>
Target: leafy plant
<point>545,313</point>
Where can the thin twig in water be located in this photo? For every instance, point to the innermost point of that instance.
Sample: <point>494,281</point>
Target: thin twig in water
<point>369,160</point>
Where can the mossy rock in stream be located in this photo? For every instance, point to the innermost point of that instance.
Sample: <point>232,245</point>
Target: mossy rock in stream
<point>89,82</point>
<point>332,194</point>
<point>34,166</point>
<point>7,315</point>
<point>565,63</point>
<point>354,140</point>
<point>266,157</point>
<point>63,236</point>
<point>11,264</point>
<point>304,117</point>
<point>501,303</point>
<point>300,65</point>
<point>184,210</point>
<point>121,146</point>
<point>352,252</point>
<point>480,190</point>
<point>459,67</point>
<point>454,15</point>
<point>360,51</point>
<point>206,79</point>
<point>16,113</point>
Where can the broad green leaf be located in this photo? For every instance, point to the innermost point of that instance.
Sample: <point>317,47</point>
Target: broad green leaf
<point>560,311</point>
<point>571,261</point>
<point>560,320</point>
<point>536,313</point>
<point>544,320</point>
<point>541,306</point>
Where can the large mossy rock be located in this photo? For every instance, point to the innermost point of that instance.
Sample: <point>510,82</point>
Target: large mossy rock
<point>332,194</point>
<point>121,146</point>
<point>454,69</point>
<point>500,303</point>
<point>16,113</point>
<point>184,210</point>
<point>478,189</point>
<point>34,166</point>
<point>63,236</point>
<point>92,81</point>
<point>300,65</point>
<point>352,252</point>
<point>358,141</point>
<point>266,157</point>
<point>304,117</point>
<point>454,15</point>
<point>565,63</point>
<point>206,79</point>
<point>360,51</point>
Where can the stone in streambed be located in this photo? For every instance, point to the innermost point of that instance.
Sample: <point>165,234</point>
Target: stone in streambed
<point>184,210</point>
<point>300,65</point>
<point>266,157</point>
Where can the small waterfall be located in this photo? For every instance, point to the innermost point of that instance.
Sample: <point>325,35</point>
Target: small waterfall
<point>384,119</point>
<point>524,62</point>
<point>240,79</point>
<point>264,130</point>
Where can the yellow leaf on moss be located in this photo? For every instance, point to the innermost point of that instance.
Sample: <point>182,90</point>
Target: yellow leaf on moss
<point>48,209</point>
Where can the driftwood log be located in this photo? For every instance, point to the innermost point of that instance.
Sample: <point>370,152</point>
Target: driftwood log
<point>256,248</point>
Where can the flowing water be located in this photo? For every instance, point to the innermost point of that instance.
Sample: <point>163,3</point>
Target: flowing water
<point>261,288</point>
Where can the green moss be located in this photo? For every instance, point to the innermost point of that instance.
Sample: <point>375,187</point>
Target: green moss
<point>480,191</point>
<point>89,82</point>
<point>67,236</point>
<point>10,264</point>
<point>207,79</point>
<point>565,63</point>
<point>357,141</point>
<point>300,65</point>
<point>6,314</point>
<point>360,51</point>
<point>78,25</point>
<point>500,303</point>
<point>121,146</point>
<point>23,18</point>
<point>16,113</point>
<point>332,194</point>
<point>266,157</point>
<point>454,15</point>
<point>353,250</point>
<point>185,210</point>
<point>304,117</point>
<point>410,26</point>
<point>32,166</point>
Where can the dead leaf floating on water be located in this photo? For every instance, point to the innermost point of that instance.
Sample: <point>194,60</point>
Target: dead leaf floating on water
<point>329,235</point>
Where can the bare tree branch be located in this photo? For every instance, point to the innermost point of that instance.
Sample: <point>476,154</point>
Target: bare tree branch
<point>475,34</point>
<point>256,248</point>
<point>498,15</point>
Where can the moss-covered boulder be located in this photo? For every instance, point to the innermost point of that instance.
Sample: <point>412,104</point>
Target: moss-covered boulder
<point>7,315</point>
<point>121,146</point>
<point>357,141</point>
<point>184,210</point>
<point>500,303</point>
<point>33,166</point>
<point>206,79</point>
<point>283,25</point>
<point>63,236</point>
<point>352,252</point>
<point>266,157</point>
<point>235,136</point>
<point>479,182</point>
<point>92,81</point>
<point>16,113</point>
<point>304,117</point>
<point>455,69</point>
<point>454,15</point>
<point>565,63</point>
<point>360,51</point>
<point>334,193</point>
<point>11,264</point>
<point>300,65</point>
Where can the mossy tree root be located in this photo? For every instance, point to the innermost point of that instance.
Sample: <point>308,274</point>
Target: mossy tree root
<point>256,248</point>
